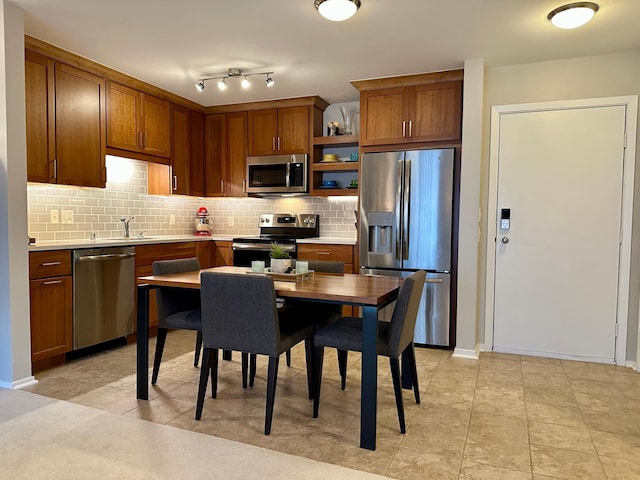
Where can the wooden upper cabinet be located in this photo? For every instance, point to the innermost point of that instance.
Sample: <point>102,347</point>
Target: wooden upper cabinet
<point>180,150</point>
<point>196,154</point>
<point>39,94</point>
<point>226,153</point>
<point>65,120</point>
<point>277,131</point>
<point>421,113</point>
<point>80,127</point>
<point>236,154</point>
<point>214,170</point>
<point>138,122</point>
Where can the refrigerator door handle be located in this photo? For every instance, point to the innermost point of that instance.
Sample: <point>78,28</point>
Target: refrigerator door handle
<point>398,208</point>
<point>405,209</point>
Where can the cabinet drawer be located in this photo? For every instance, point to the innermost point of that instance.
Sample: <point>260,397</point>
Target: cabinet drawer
<point>147,254</point>
<point>337,253</point>
<point>50,263</point>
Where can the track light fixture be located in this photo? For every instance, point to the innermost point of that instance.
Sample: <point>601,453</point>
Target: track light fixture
<point>337,10</point>
<point>232,73</point>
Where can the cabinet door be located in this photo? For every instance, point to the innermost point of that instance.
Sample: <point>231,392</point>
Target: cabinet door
<point>215,128</point>
<point>80,127</point>
<point>436,112</point>
<point>39,95</point>
<point>155,122</point>
<point>179,150</point>
<point>196,154</point>
<point>293,130</point>
<point>236,154</point>
<point>224,253</point>
<point>123,129</point>
<point>51,317</point>
<point>263,132</point>
<point>382,113</point>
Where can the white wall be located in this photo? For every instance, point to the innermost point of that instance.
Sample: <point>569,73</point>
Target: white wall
<point>585,77</point>
<point>15,350</point>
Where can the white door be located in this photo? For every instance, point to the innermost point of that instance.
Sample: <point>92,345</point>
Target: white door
<point>560,174</point>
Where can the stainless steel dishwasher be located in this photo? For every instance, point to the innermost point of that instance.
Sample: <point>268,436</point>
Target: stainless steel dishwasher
<point>103,294</point>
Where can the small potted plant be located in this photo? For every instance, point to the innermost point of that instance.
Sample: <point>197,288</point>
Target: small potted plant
<point>280,258</point>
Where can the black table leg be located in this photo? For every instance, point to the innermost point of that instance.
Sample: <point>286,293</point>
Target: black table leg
<point>142,333</point>
<point>369,387</point>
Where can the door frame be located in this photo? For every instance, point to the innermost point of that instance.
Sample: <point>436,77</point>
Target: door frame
<point>631,104</point>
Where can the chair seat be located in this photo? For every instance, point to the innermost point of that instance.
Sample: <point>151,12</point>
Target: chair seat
<point>186,320</point>
<point>293,331</point>
<point>346,334</point>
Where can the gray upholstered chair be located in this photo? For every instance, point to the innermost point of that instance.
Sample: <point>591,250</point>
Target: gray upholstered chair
<point>177,308</point>
<point>239,313</point>
<point>394,338</point>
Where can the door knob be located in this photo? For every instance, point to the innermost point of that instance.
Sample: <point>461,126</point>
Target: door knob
<point>504,239</point>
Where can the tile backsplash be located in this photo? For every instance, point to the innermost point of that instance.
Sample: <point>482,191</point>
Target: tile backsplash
<point>98,210</point>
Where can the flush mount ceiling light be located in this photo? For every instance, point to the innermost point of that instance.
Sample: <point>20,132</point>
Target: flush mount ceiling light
<point>337,10</point>
<point>573,15</point>
<point>233,73</point>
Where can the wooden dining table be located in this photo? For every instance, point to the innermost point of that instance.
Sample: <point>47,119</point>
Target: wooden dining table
<point>371,293</point>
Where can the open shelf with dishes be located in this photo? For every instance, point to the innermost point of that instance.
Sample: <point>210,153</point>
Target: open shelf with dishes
<point>335,168</point>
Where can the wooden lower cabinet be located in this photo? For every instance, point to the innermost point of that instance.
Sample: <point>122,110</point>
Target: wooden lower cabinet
<point>223,253</point>
<point>51,296</point>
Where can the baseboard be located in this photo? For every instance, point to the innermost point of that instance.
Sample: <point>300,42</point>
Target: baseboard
<point>466,353</point>
<point>633,365</point>
<point>25,382</point>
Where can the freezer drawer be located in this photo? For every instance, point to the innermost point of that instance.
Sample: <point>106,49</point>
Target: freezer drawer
<point>434,313</point>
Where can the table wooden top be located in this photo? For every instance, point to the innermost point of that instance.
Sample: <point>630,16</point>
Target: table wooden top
<point>348,288</point>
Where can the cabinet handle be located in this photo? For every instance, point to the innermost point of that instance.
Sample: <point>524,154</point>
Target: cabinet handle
<point>278,144</point>
<point>323,253</point>
<point>410,128</point>
<point>139,139</point>
<point>221,186</point>
<point>404,129</point>
<point>50,264</point>
<point>244,186</point>
<point>273,143</point>
<point>55,168</point>
<point>175,183</point>
<point>52,282</point>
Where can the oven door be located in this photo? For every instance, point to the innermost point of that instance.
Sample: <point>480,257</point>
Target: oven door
<point>245,253</point>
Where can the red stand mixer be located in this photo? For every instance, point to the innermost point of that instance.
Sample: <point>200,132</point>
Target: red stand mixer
<point>202,223</point>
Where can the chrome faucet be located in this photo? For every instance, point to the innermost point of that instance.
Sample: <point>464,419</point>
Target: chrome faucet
<point>125,225</point>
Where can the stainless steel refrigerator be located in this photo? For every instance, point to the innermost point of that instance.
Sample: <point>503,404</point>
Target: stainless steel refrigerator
<point>406,218</point>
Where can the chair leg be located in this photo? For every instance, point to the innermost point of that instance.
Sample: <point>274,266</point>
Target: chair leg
<point>226,355</point>
<point>342,366</point>
<point>397,388</point>
<point>253,358</point>
<point>245,365</point>
<point>308,350</point>
<point>414,371</point>
<point>204,377</point>
<point>271,393</point>
<point>160,339</point>
<point>214,372</point>
<point>198,348</point>
<point>318,357</point>
<point>288,355</point>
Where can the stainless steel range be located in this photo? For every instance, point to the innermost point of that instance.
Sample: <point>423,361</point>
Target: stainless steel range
<point>284,228</point>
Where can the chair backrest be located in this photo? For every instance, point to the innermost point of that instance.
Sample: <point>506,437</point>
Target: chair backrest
<point>239,313</point>
<point>172,300</point>
<point>325,266</point>
<point>403,320</point>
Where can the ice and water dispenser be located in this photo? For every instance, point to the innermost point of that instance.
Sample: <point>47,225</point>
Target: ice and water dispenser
<point>380,232</point>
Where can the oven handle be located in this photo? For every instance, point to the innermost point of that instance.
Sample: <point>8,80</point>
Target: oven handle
<point>288,175</point>
<point>260,247</point>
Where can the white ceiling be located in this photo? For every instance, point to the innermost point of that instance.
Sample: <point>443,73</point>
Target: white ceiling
<point>172,43</point>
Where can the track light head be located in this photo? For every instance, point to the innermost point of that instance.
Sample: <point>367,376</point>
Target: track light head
<point>269,80</point>
<point>200,85</point>
<point>245,82</point>
<point>222,84</point>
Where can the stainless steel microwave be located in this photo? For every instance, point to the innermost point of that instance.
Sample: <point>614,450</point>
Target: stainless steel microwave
<point>278,174</point>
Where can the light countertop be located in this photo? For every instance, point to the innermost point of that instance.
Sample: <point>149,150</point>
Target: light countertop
<point>120,242</point>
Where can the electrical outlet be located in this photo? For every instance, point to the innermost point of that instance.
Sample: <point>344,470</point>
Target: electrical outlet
<point>172,219</point>
<point>54,216</point>
<point>230,220</point>
<point>67,216</point>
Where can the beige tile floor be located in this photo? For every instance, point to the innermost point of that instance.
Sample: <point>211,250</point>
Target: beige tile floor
<point>502,417</point>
